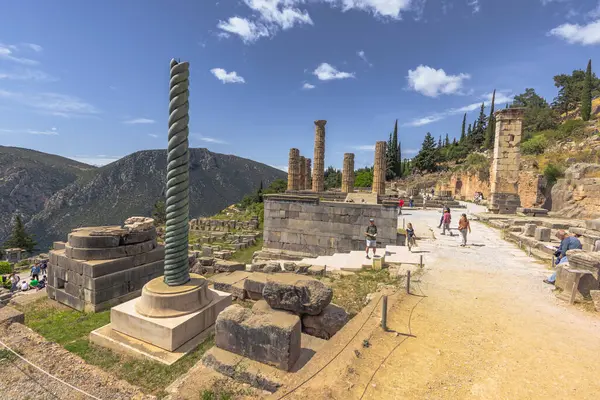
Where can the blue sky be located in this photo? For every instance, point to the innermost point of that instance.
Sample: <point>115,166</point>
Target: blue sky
<point>89,80</point>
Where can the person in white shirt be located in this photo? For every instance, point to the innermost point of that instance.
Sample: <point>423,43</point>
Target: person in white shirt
<point>24,285</point>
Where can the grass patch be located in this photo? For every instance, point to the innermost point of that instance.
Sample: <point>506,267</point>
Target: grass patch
<point>71,329</point>
<point>6,356</point>
<point>351,291</point>
<point>245,255</point>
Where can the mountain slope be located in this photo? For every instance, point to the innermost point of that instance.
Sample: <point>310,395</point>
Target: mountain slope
<point>28,178</point>
<point>131,186</point>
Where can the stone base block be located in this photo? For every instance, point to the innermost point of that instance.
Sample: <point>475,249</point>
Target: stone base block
<point>270,338</point>
<point>532,212</point>
<point>529,230</point>
<point>11,315</point>
<point>542,234</point>
<point>124,344</point>
<point>504,203</point>
<point>167,333</point>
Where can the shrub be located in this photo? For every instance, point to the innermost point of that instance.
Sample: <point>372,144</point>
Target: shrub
<point>5,267</point>
<point>552,172</point>
<point>534,146</point>
<point>572,128</point>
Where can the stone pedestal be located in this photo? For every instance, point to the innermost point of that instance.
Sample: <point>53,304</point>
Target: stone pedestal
<point>348,173</point>
<point>164,319</point>
<point>505,167</point>
<point>379,169</point>
<point>319,157</point>
<point>294,170</point>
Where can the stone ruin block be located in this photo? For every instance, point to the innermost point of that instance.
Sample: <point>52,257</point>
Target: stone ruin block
<point>327,323</point>
<point>595,294</point>
<point>229,266</point>
<point>529,230</point>
<point>542,234</point>
<point>532,212</point>
<point>270,338</point>
<point>298,295</point>
<point>100,267</point>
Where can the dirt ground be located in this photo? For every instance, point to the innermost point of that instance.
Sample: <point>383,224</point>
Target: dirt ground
<point>480,324</point>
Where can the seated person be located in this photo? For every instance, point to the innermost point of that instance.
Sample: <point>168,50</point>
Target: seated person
<point>566,243</point>
<point>33,283</point>
<point>41,284</point>
<point>24,285</point>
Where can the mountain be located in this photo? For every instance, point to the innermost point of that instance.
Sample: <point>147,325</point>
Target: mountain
<point>131,186</point>
<point>29,178</point>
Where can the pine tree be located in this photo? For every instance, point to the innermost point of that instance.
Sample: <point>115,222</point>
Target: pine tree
<point>491,128</point>
<point>440,143</point>
<point>463,133</point>
<point>19,237</point>
<point>586,96</point>
<point>427,158</point>
<point>159,212</point>
<point>479,128</point>
<point>447,141</point>
<point>454,143</point>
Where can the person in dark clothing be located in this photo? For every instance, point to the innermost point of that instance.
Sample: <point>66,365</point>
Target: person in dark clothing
<point>371,234</point>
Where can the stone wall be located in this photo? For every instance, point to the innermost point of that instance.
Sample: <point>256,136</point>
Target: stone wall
<point>577,195</point>
<point>531,189</point>
<point>303,224</point>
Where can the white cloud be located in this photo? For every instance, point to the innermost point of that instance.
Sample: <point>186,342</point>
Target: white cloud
<point>475,5</point>
<point>308,86</point>
<point>433,82</point>
<point>326,72</point>
<point>361,55</point>
<point>48,132</point>
<point>501,98</point>
<point>269,17</point>
<point>27,75</point>
<point>384,8</point>
<point>137,121</point>
<point>153,135</point>
<point>7,52</point>
<point>51,103</point>
<point>409,151</point>
<point>207,139</point>
<point>35,47</point>
<point>227,77</point>
<point>283,168</point>
<point>586,35</point>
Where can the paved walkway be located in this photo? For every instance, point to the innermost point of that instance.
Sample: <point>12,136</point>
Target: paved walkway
<point>480,324</point>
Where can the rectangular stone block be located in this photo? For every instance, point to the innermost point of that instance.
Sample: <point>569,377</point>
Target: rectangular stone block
<point>542,234</point>
<point>74,290</point>
<point>167,333</point>
<point>529,230</point>
<point>96,268</point>
<point>58,245</point>
<point>10,315</point>
<point>132,274</point>
<point>224,282</point>
<point>51,292</point>
<point>275,337</point>
<point>63,297</point>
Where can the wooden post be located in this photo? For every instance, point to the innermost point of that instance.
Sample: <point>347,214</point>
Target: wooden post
<point>384,313</point>
<point>408,281</point>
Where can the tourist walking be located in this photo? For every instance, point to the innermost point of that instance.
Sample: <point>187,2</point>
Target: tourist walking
<point>411,202</point>
<point>371,234</point>
<point>14,282</point>
<point>464,227</point>
<point>411,238</point>
<point>446,219</point>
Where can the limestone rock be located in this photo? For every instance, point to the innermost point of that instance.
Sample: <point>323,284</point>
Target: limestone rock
<point>270,338</point>
<point>229,266</point>
<point>596,299</point>
<point>542,234</point>
<point>11,315</point>
<point>302,268</point>
<point>272,267</point>
<point>317,270</point>
<point>289,266</point>
<point>529,230</point>
<point>301,297</point>
<point>325,325</point>
<point>139,224</point>
<point>258,266</point>
<point>206,261</point>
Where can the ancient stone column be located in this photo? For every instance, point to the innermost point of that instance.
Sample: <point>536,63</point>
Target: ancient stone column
<point>178,210</point>
<point>348,173</point>
<point>505,166</point>
<point>307,180</point>
<point>302,176</point>
<point>379,169</point>
<point>318,177</point>
<point>294,169</point>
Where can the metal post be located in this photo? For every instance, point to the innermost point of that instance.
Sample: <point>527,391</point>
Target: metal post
<point>403,224</point>
<point>384,313</point>
<point>408,282</point>
<point>421,261</point>
<point>520,244</point>
<point>529,250</point>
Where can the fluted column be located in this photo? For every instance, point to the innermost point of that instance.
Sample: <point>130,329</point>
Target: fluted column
<point>177,228</point>
<point>307,177</point>
<point>294,169</point>
<point>302,177</point>
<point>348,173</point>
<point>379,169</point>
<point>318,177</point>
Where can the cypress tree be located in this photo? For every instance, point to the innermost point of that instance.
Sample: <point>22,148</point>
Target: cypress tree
<point>491,128</point>
<point>440,142</point>
<point>447,141</point>
<point>586,96</point>
<point>19,237</point>
<point>463,133</point>
<point>394,143</point>
<point>400,169</point>
<point>454,143</point>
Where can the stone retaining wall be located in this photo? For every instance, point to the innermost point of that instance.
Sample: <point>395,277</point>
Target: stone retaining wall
<point>303,224</point>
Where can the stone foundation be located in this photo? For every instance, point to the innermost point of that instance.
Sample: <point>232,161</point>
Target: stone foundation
<point>504,203</point>
<point>101,267</point>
